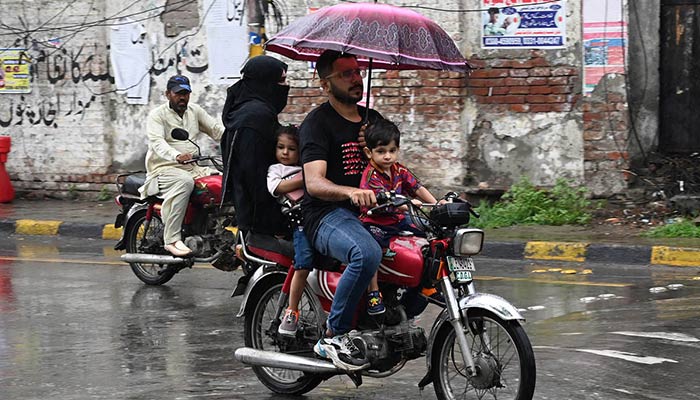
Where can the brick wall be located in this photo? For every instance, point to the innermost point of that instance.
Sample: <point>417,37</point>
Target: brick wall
<point>530,85</point>
<point>606,134</point>
<point>426,105</point>
<point>520,113</point>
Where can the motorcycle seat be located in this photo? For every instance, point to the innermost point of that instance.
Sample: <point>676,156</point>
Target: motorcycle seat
<point>132,183</point>
<point>260,244</point>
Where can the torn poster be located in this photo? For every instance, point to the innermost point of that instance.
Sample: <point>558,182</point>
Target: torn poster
<point>131,61</point>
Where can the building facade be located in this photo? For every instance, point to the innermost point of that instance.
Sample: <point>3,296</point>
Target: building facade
<point>522,112</point>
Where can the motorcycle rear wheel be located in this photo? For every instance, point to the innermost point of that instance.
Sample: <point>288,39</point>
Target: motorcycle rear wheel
<point>506,367</point>
<point>261,333</point>
<point>138,240</point>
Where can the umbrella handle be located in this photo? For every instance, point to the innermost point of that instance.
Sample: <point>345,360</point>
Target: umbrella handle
<point>369,90</point>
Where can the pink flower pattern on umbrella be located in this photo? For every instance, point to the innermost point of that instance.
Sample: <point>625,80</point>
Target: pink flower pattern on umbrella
<point>394,37</point>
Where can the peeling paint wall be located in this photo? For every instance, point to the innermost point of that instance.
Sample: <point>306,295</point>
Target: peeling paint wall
<point>522,104</point>
<point>59,129</point>
<point>519,114</point>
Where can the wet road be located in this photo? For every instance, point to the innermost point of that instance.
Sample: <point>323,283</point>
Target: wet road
<point>76,324</point>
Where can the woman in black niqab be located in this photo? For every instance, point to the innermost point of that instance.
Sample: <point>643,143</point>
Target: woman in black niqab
<point>248,144</point>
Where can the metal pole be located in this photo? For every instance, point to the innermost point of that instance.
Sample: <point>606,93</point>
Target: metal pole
<point>256,27</point>
<point>369,87</point>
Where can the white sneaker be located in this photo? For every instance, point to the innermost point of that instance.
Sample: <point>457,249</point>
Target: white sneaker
<point>343,351</point>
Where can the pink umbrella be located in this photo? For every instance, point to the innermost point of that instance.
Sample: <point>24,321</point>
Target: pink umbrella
<point>391,37</point>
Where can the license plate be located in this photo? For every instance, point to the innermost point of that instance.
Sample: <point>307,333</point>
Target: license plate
<point>462,268</point>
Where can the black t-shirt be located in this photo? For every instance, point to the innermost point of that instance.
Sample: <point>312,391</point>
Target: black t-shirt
<point>326,135</point>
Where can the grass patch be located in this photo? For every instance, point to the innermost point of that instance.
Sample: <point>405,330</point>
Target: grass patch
<point>684,228</point>
<point>524,203</point>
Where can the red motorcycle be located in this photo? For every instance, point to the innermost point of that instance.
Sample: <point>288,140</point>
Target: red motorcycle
<point>477,347</point>
<point>205,228</point>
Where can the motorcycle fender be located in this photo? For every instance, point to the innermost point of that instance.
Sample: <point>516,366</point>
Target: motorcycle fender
<point>121,245</point>
<point>260,275</point>
<point>490,302</point>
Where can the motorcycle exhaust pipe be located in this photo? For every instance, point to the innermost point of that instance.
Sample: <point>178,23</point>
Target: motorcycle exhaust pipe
<point>152,259</point>
<point>263,358</point>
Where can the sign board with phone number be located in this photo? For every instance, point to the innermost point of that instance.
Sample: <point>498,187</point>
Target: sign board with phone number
<point>14,71</point>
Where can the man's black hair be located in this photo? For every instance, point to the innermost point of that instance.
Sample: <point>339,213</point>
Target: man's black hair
<point>324,64</point>
<point>382,133</point>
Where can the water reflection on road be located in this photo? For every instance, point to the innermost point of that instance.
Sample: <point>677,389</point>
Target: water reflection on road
<point>90,329</point>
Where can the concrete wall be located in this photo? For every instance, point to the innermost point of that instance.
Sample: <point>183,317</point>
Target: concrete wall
<point>520,113</point>
<point>643,54</point>
<point>522,110</point>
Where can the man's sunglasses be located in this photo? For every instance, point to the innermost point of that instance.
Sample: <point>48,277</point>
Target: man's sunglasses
<point>348,74</point>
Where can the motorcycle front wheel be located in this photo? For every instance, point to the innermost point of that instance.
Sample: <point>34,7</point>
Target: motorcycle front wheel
<point>502,354</point>
<point>148,240</point>
<point>260,332</point>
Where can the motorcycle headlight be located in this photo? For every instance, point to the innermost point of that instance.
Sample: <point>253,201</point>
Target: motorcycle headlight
<point>468,241</point>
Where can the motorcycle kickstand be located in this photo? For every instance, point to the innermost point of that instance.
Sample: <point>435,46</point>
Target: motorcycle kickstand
<point>356,378</point>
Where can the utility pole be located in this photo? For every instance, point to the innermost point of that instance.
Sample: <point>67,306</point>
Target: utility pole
<point>256,26</point>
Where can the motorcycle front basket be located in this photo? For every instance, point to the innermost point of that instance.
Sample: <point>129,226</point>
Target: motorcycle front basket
<point>451,214</point>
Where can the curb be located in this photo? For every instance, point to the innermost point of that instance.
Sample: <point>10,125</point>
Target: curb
<point>578,252</point>
<point>52,228</point>
<point>581,252</point>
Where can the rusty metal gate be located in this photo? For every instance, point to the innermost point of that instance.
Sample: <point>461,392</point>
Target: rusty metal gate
<point>679,108</point>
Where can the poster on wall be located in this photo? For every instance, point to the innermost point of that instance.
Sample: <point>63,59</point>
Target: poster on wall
<point>14,71</point>
<point>523,24</point>
<point>227,39</point>
<point>130,56</point>
<point>604,41</point>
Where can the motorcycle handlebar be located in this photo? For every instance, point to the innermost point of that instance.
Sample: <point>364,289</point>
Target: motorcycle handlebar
<point>391,199</point>
<point>214,160</point>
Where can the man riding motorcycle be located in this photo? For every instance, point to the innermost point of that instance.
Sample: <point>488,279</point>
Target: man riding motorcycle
<point>168,173</point>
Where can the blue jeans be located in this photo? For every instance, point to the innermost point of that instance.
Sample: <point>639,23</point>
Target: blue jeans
<point>303,252</point>
<point>342,236</point>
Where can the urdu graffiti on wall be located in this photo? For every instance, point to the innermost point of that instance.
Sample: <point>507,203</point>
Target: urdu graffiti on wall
<point>81,65</point>
<point>31,112</point>
<point>78,66</point>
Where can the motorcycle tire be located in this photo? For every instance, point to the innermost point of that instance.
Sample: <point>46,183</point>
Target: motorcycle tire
<point>506,368</point>
<point>149,242</point>
<point>261,333</point>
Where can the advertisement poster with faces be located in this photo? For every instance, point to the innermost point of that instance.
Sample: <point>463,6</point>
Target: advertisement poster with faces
<point>604,41</point>
<point>523,24</point>
<point>14,71</point>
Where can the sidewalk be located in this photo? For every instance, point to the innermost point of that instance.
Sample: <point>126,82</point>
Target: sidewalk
<point>604,243</point>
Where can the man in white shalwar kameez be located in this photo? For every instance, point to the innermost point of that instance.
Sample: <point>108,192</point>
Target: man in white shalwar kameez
<point>167,173</point>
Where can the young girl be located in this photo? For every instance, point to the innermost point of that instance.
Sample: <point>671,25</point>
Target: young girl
<point>284,182</point>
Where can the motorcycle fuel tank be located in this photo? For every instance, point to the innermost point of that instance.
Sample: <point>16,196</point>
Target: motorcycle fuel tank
<point>207,190</point>
<point>402,261</point>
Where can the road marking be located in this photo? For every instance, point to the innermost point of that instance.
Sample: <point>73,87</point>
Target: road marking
<point>76,261</point>
<point>679,337</point>
<point>60,260</point>
<point>560,251</point>
<point>622,355</point>
<point>553,281</point>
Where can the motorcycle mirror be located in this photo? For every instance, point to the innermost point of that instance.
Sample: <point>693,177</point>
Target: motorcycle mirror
<point>179,134</point>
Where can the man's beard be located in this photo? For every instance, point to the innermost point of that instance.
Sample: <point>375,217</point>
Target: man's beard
<point>346,97</point>
<point>179,107</point>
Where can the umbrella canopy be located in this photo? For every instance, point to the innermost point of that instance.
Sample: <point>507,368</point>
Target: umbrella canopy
<point>388,36</point>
